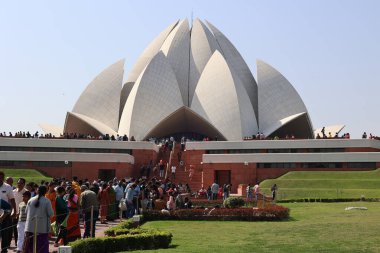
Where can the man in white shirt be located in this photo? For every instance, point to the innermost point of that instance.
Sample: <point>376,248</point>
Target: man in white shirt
<point>119,193</point>
<point>18,192</point>
<point>174,168</point>
<point>6,194</point>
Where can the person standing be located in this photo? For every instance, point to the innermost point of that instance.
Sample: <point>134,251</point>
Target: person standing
<point>18,194</point>
<point>215,190</point>
<point>104,202</point>
<point>6,194</point>
<point>52,196</point>
<point>119,193</point>
<point>129,200</point>
<point>89,200</point>
<point>162,168</point>
<point>38,208</point>
<point>249,192</point>
<point>22,220</point>
<point>256,191</point>
<point>174,168</point>
<point>274,192</point>
<point>62,216</point>
<point>191,172</point>
<point>73,229</point>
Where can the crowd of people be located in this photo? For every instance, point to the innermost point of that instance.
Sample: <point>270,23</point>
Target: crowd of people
<point>58,206</point>
<point>37,135</point>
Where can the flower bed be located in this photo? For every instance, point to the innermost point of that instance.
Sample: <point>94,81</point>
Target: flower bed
<point>273,213</point>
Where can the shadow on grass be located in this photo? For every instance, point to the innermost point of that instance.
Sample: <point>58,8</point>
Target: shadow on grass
<point>290,219</point>
<point>173,246</point>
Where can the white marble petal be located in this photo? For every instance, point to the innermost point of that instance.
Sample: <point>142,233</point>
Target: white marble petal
<point>203,45</point>
<point>149,52</point>
<point>237,63</point>
<point>176,49</point>
<point>101,98</point>
<point>86,125</point>
<point>154,97</point>
<point>221,98</point>
<point>277,98</point>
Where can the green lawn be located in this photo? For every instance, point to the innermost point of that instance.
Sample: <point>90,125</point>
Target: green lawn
<point>29,175</point>
<point>329,184</point>
<point>314,227</point>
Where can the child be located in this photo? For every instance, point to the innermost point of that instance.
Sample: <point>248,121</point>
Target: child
<point>5,210</point>
<point>22,220</point>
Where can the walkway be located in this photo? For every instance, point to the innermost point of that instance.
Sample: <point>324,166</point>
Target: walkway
<point>100,228</point>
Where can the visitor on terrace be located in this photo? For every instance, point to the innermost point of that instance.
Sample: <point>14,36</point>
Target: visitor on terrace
<point>226,191</point>
<point>202,192</point>
<point>249,192</point>
<point>173,169</point>
<point>162,168</point>
<point>256,191</point>
<point>209,193</point>
<point>215,190</point>
<point>188,204</point>
<point>274,189</point>
<point>179,201</point>
<point>191,172</point>
<point>170,205</point>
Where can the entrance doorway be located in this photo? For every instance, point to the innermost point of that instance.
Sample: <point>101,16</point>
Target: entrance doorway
<point>223,177</point>
<point>106,174</point>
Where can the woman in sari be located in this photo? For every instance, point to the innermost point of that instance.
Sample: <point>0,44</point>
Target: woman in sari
<point>111,212</point>
<point>104,202</point>
<point>51,195</point>
<point>38,207</point>
<point>73,229</point>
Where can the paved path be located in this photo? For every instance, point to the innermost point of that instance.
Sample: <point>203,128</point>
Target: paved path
<point>99,232</point>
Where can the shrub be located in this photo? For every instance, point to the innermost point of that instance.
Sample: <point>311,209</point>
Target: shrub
<point>233,202</point>
<point>146,240</point>
<point>122,226</point>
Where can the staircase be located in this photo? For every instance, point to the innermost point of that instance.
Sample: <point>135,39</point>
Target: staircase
<point>182,171</point>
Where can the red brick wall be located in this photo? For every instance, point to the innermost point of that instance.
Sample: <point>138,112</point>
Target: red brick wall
<point>142,157</point>
<point>240,173</point>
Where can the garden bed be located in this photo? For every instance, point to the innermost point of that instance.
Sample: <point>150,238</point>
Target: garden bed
<point>273,213</point>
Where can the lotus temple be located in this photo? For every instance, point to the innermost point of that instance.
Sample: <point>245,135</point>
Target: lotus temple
<point>192,83</point>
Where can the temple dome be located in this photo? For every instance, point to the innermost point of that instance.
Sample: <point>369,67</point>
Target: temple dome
<point>186,75</point>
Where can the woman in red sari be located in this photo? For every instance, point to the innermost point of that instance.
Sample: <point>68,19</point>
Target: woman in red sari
<point>73,229</point>
<point>104,202</point>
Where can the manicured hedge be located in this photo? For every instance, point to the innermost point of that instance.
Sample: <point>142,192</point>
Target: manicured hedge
<point>127,225</point>
<point>143,241</point>
<point>123,237</point>
<point>233,202</point>
<point>273,213</point>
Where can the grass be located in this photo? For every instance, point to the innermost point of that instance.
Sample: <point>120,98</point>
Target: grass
<point>29,175</point>
<point>314,227</point>
<point>326,184</point>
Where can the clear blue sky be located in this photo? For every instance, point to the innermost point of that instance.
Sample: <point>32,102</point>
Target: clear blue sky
<point>329,51</point>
